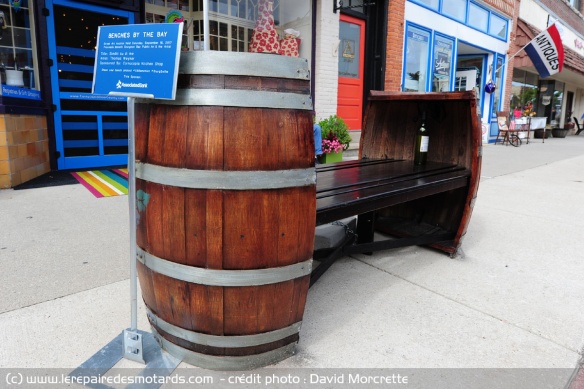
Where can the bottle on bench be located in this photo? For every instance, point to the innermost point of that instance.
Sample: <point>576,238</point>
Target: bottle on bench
<point>422,140</point>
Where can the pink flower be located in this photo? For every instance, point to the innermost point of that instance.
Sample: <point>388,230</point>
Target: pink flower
<point>331,144</point>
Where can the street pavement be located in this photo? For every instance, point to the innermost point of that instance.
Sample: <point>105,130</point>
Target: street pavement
<point>507,313</point>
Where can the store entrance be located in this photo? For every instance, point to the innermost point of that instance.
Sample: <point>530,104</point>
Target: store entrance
<point>90,130</point>
<point>351,61</point>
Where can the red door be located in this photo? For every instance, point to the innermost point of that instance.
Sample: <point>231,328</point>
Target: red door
<point>351,53</point>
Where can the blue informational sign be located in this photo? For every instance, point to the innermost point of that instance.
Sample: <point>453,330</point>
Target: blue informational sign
<point>138,60</point>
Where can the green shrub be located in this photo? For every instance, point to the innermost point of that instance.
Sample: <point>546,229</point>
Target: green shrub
<point>337,126</point>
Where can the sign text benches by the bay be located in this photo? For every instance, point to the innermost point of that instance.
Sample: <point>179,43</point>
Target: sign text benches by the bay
<point>138,60</point>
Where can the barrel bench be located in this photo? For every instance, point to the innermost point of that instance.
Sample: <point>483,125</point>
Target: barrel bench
<point>429,204</point>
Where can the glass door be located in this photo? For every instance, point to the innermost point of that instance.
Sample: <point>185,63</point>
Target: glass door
<point>90,130</point>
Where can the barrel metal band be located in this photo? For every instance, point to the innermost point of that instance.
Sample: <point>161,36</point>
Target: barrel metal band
<point>237,98</point>
<point>225,180</point>
<point>214,277</point>
<point>248,64</point>
<point>226,362</point>
<point>224,341</point>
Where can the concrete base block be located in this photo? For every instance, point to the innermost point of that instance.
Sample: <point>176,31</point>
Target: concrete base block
<point>331,235</point>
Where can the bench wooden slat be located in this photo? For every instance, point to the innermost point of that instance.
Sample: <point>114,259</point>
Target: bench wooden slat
<point>331,183</point>
<point>354,163</point>
<point>367,199</point>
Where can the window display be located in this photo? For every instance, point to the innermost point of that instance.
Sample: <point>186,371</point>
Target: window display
<point>417,45</point>
<point>442,64</point>
<point>286,24</point>
<point>524,92</point>
<point>17,57</point>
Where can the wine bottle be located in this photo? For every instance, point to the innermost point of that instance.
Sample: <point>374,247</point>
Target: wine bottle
<point>422,140</point>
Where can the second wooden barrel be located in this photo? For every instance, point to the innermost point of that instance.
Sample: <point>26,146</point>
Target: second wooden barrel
<point>225,188</point>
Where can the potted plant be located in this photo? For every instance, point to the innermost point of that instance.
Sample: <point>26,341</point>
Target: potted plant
<point>335,139</point>
<point>559,132</point>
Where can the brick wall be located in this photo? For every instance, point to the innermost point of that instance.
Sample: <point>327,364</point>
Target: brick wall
<point>506,7</point>
<point>24,149</point>
<point>395,45</point>
<point>326,60</point>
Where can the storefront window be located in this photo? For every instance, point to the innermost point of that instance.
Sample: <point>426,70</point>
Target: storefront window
<point>499,90</point>
<point>523,91</point>
<point>556,106</point>
<point>442,64</point>
<point>478,17</point>
<point>498,27</point>
<point>455,9</point>
<point>17,54</point>
<point>417,46</point>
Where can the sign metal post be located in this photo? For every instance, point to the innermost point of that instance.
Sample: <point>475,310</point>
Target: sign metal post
<point>139,60</point>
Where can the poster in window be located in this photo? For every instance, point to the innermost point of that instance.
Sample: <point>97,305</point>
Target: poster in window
<point>442,64</point>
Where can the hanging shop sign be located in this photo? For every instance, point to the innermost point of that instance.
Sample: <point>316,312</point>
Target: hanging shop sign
<point>20,93</point>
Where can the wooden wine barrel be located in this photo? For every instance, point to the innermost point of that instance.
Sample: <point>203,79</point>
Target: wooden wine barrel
<point>391,122</point>
<point>225,188</point>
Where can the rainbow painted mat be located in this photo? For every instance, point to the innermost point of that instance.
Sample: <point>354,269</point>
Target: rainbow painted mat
<point>104,183</point>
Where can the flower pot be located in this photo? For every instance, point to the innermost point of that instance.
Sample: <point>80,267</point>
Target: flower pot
<point>560,132</point>
<point>330,157</point>
<point>539,133</point>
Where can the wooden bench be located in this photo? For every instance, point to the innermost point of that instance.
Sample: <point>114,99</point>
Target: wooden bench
<point>416,205</point>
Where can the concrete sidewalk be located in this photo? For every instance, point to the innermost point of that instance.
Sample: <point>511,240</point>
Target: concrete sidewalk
<point>513,301</point>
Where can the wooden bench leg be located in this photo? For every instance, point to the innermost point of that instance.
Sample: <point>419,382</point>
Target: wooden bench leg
<point>366,228</point>
<point>325,258</point>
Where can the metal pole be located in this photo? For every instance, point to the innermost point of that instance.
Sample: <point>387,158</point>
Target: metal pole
<point>206,43</point>
<point>132,205</point>
<point>513,56</point>
<point>132,339</point>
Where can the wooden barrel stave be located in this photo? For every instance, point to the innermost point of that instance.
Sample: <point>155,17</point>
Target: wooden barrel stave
<point>222,229</point>
<point>455,138</point>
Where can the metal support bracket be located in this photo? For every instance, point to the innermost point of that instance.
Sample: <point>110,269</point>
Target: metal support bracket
<point>338,5</point>
<point>133,346</point>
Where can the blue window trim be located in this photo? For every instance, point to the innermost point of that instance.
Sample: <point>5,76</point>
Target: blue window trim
<point>488,18</point>
<point>465,22</point>
<point>430,45</point>
<point>453,59</point>
<point>499,82</point>
<point>493,16</point>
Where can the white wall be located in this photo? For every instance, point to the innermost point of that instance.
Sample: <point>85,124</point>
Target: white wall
<point>326,66</point>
